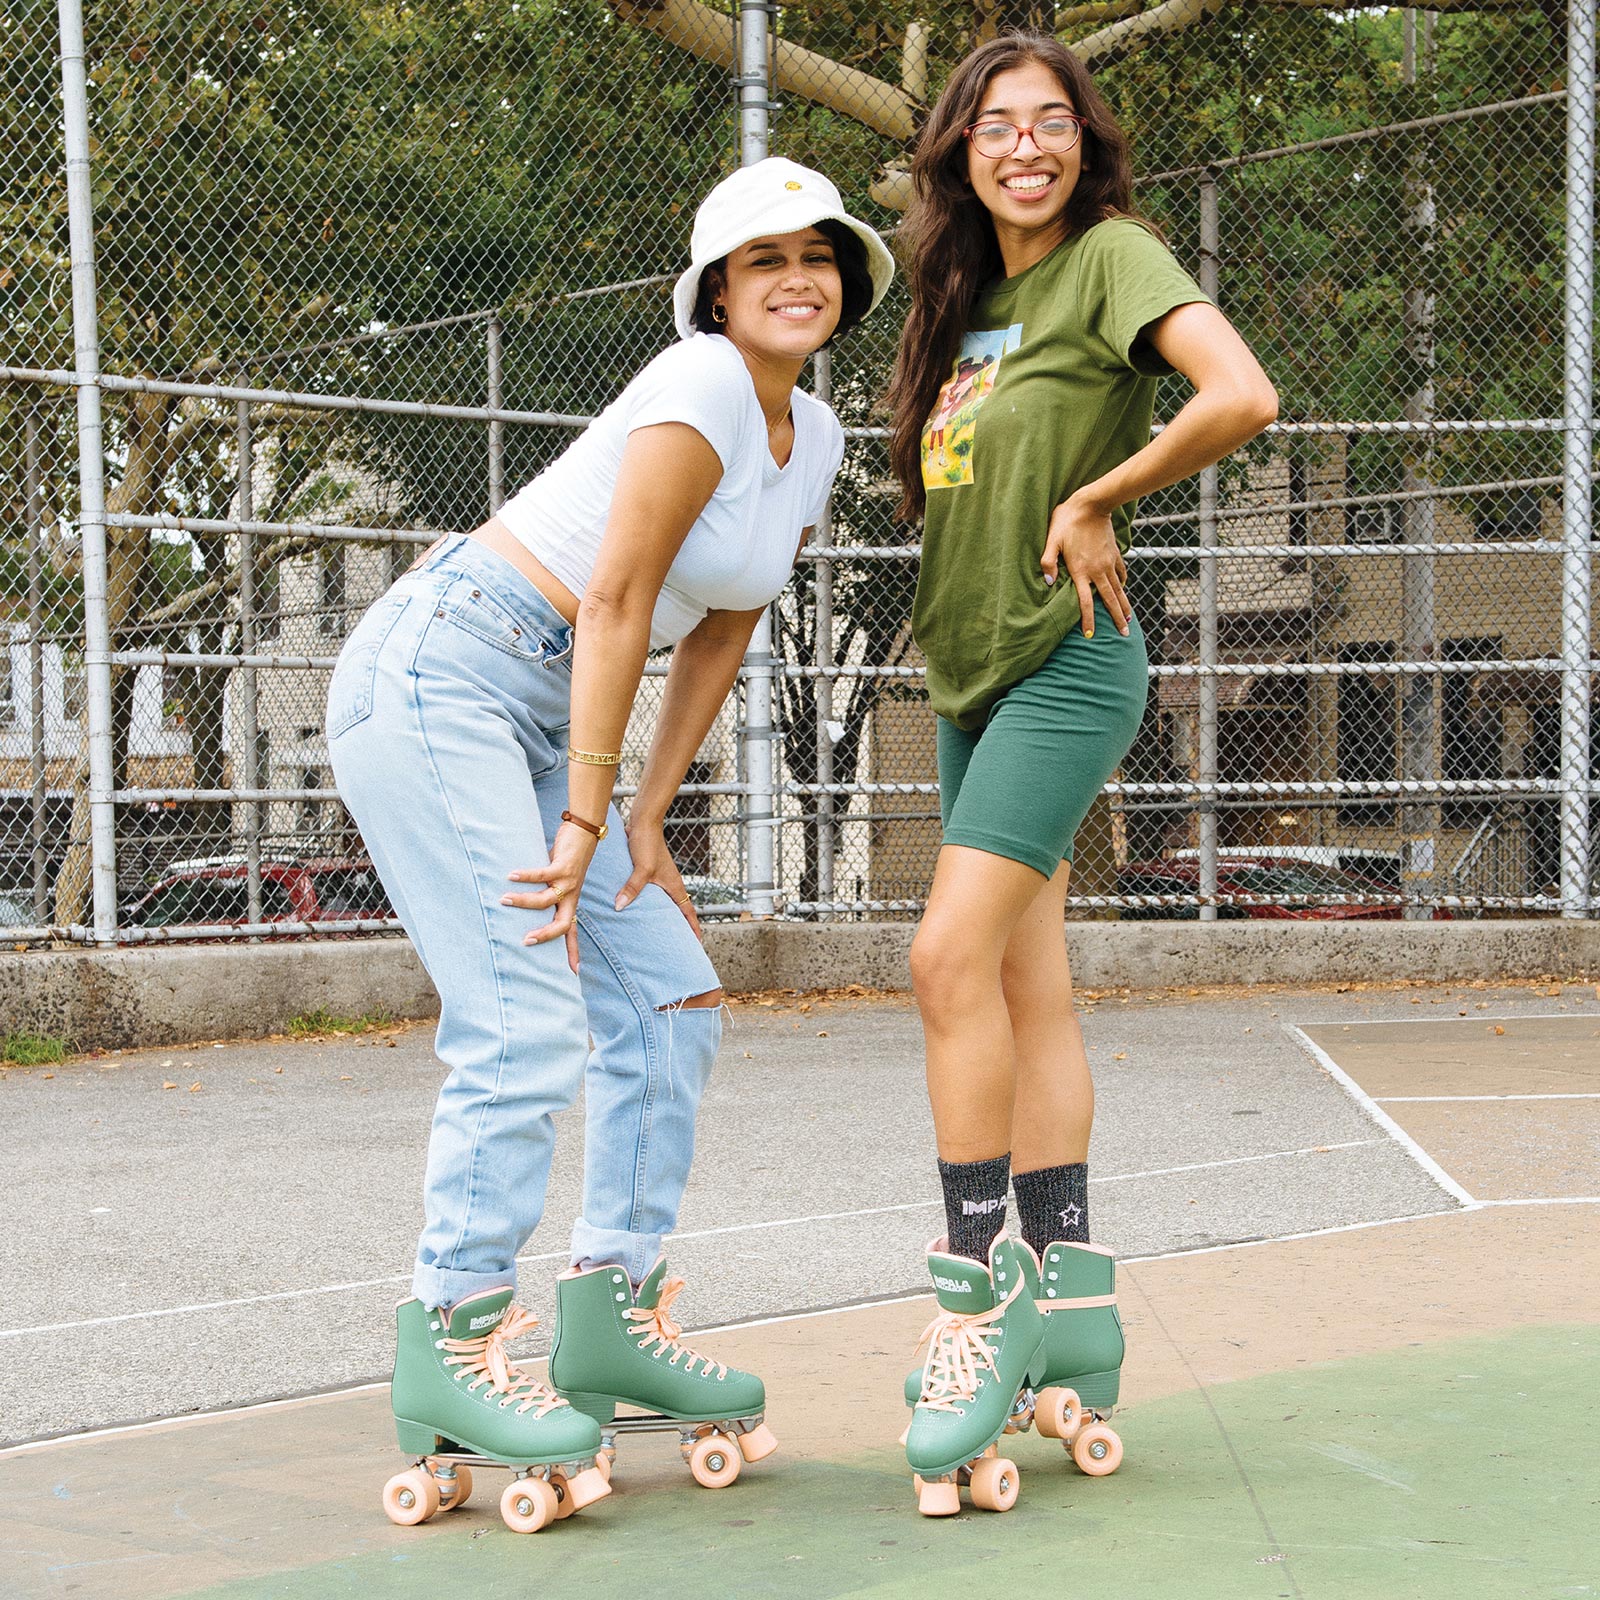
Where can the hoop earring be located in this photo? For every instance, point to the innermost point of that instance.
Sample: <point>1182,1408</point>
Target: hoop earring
<point>719,315</point>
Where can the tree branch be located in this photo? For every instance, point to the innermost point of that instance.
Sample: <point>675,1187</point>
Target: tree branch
<point>711,36</point>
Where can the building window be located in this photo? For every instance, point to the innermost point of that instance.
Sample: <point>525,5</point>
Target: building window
<point>1368,750</point>
<point>8,682</point>
<point>1517,514</point>
<point>331,590</point>
<point>175,685</point>
<point>74,684</point>
<point>1472,736</point>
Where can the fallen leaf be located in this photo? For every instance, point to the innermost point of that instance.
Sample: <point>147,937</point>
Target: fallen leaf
<point>1499,1029</point>
<point>278,1070</point>
<point>1121,1055</point>
<point>194,1088</point>
<point>169,1086</point>
<point>823,1033</point>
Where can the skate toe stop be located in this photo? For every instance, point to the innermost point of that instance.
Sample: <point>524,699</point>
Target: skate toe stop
<point>938,1499</point>
<point>758,1443</point>
<point>590,1485</point>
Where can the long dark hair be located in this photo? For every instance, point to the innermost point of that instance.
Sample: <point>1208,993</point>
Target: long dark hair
<point>948,239</point>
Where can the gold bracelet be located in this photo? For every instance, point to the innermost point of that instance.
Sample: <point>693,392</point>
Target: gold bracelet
<point>590,759</point>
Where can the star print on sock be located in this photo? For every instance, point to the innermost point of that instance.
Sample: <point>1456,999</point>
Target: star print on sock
<point>1072,1216</point>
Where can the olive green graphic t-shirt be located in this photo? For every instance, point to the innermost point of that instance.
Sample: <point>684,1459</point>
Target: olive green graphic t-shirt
<point>1053,387</point>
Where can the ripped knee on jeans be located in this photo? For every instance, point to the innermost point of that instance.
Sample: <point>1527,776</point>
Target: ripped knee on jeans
<point>709,1001</point>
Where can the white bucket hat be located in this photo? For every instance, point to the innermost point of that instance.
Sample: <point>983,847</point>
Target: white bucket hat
<point>771,197</point>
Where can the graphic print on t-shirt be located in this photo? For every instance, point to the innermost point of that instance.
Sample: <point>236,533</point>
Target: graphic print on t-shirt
<point>948,438</point>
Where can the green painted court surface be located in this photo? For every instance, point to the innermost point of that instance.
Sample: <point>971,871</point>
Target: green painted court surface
<point>1461,1469</point>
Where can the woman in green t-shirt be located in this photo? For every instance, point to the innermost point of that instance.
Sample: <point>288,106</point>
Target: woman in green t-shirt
<point>1043,311</point>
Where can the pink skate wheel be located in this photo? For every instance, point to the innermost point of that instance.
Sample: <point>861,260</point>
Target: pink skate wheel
<point>995,1484</point>
<point>1097,1450</point>
<point>758,1444</point>
<point>1058,1414</point>
<point>463,1489</point>
<point>941,1499</point>
<point>714,1461</point>
<point>410,1497</point>
<point>528,1504</point>
<point>593,1483</point>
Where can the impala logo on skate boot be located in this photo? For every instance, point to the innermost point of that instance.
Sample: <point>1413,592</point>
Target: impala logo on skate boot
<point>483,1322</point>
<point>954,1285</point>
<point>981,1208</point>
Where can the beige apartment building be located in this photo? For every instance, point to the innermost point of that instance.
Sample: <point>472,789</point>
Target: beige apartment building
<point>1277,610</point>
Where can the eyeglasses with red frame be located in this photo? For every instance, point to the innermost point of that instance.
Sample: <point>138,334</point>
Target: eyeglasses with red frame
<point>1054,135</point>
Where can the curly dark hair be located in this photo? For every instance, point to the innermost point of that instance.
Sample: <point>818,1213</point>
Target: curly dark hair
<point>948,240</point>
<point>848,251</point>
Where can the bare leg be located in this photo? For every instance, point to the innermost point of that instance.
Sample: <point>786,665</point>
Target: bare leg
<point>957,956</point>
<point>1055,1094</point>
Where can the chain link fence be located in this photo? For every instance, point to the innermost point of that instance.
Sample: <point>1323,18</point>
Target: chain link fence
<point>290,291</point>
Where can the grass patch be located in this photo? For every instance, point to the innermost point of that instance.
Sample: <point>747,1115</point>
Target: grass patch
<point>323,1020</point>
<point>31,1050</point>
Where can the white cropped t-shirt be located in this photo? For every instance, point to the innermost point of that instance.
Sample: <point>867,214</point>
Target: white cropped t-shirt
<point>741,549</point>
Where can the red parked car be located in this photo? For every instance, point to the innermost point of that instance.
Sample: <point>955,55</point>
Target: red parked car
<point>1258,875</point>
<point>215,893</point>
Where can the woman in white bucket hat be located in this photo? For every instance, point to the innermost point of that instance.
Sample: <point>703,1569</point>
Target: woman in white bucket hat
<point>475,722</point>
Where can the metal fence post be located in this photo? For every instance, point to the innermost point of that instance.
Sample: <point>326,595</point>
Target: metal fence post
<point>1209,642</point>
<point>33,512</point>
<point>822,370</point>
<point>1577,456</point>
<point>760,818</point>
<point>91,470</point>
<point>1420,750</point>
<point>249,704</point>
<point>493,352</point>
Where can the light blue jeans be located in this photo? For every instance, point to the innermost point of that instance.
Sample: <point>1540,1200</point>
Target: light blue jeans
<point>447,726</point>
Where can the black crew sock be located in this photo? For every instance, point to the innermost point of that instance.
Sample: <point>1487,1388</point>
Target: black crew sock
<point>1053,1203</point>
<point>974,1204</point>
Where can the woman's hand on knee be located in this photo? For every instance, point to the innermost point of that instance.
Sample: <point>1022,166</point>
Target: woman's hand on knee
<point>653,863</point>
<point>563,877</point>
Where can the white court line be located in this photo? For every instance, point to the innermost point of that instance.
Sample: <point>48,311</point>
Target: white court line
<point>1481,1016</point>
<point>699,1233</point>
<point>1451,1099</point>
<point>1378,1114</point>
<point>1548,1200</point>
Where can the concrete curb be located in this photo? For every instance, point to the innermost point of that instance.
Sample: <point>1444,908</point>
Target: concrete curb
<point>124,998</point>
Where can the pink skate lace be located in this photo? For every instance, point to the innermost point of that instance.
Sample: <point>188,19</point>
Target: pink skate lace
<point>959,1352</point>
<point>487,1360</point>
<point>659,1329</point>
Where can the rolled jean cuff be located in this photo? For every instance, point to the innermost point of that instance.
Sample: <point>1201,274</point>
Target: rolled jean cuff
<point>439,1286</point>
<point>635,1253</point>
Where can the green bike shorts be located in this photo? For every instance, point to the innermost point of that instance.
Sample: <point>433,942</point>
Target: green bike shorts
<point>1021,785</point>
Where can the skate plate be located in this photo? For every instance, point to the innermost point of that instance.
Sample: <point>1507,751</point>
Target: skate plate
<point>715,1448</point>
<point>535,1497</point>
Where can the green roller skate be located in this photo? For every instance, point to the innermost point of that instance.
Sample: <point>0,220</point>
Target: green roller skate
<point>617,1347</point>
<point>985,1350</point>
<point>1076,1288</point>
<point>460,1402</point>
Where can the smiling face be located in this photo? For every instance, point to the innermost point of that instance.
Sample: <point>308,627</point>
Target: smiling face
<point>783,294</point>
<point>1026,192</point>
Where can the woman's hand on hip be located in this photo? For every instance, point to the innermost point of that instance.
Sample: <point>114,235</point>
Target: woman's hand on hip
<point>563,878</point>
<point>653,863</point>
<point>1082,538</point>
